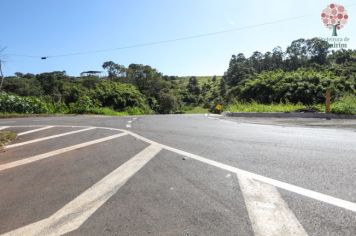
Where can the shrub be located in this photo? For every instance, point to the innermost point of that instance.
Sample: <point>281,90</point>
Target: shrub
<point>345,105</point>
<point>119,96</point>
<point>28,105</point>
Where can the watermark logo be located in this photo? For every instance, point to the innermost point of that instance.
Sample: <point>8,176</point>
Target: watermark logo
<point>334,17</point>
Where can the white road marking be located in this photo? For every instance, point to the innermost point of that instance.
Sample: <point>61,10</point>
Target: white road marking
<point>128,126</point>
<point>289,187</point>
<point>134,118</point>
<point>4,127</point>
<point>268,212</point>
<point>49,137</point>
<point>56,152</point>
<point>34,130</point>
<point>76,212</point>
<point>130,121</point>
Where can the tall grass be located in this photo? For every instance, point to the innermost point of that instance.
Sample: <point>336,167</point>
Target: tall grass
<point>257,107</point>
<point>346,105</point>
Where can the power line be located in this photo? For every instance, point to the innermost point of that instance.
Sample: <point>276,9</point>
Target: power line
<point>167,40</point>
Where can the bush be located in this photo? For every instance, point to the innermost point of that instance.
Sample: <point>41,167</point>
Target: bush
<point>119,96</point>
<point>83,105</point>
<point>345,105</point>
<point>168,103</point>
<point>28,105</point>
<point>304,86</point>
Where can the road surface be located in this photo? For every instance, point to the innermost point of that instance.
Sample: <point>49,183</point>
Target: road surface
<point>178,175</point>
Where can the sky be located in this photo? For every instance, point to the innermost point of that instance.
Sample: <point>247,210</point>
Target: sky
<point>41,28</point>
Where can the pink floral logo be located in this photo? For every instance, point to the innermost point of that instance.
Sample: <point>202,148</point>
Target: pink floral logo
<point>334,17</point>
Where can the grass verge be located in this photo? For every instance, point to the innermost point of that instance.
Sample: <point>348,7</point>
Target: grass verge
<point>346,105</point>
<point>256,107</point>
<point>6,137</point>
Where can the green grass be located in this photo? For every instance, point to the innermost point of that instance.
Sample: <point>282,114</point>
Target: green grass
<point>195,110</point>
<point>256,107</point>
<point>346,105</point>
<point>6,137</point>
<point>201,79</point>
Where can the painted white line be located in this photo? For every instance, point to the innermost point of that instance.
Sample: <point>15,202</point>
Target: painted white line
<point>268,212</point>
<point>128,126</point>
<point>76,212</point>
<point>4,127</point>
<point>130,121</point>
<point>49,137</point>
<point>56,152</point>
<point>34,130</point>
<point>134,118</point>
<point>289,187</point>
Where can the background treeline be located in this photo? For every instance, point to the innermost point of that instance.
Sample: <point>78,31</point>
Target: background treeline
<point>299,75</point>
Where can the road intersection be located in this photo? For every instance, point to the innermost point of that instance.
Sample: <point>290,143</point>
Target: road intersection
<point>125,176</point>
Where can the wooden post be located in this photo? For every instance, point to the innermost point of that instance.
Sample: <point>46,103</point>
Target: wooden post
<point>327,100</point>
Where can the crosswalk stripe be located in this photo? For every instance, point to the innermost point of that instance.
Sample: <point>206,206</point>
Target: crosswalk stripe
<point>34,130</point>
<point>48,137</point>
<point>76,212</point>
<point>268,212</point>
<point>4,127</point>
<point>57,152</point>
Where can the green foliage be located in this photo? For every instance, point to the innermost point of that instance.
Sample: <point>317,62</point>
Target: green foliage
<point>28,105</point>
<point>345,105</point>
<point>301,86</point>
<point>83,105</point>
<point>168,103</point>
<point>118,96</point>
<point>257,107</point>
<point>298,75</point>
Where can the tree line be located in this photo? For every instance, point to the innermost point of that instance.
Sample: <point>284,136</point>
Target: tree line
<point>300,74</point>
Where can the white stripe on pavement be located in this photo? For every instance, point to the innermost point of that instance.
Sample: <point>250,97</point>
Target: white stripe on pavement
<point>76,212</point>
<point>289,187</point>
<point>35,130</point>
<point>4,127</point>
<point>56,152</point>
<point>49,137</point>
<point>268,212</point>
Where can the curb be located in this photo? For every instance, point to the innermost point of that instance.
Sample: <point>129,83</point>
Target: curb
<point>315,115</point>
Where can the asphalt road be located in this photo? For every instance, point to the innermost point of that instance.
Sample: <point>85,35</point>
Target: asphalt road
<point>178,175</point>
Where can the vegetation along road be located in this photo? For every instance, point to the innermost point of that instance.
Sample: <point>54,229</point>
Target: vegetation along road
<point>177,175</point>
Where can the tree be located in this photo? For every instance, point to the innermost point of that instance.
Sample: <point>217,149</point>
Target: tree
<point>278,58</point>
<point>222,88</point>
<point>334,17</point>
<point>297,54</point>
<point>238,71</point>
<point>257,61</point>
<point>168,103</point>
<point>114,70</point>
<point>317,50</point>
<point>193,86</point>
